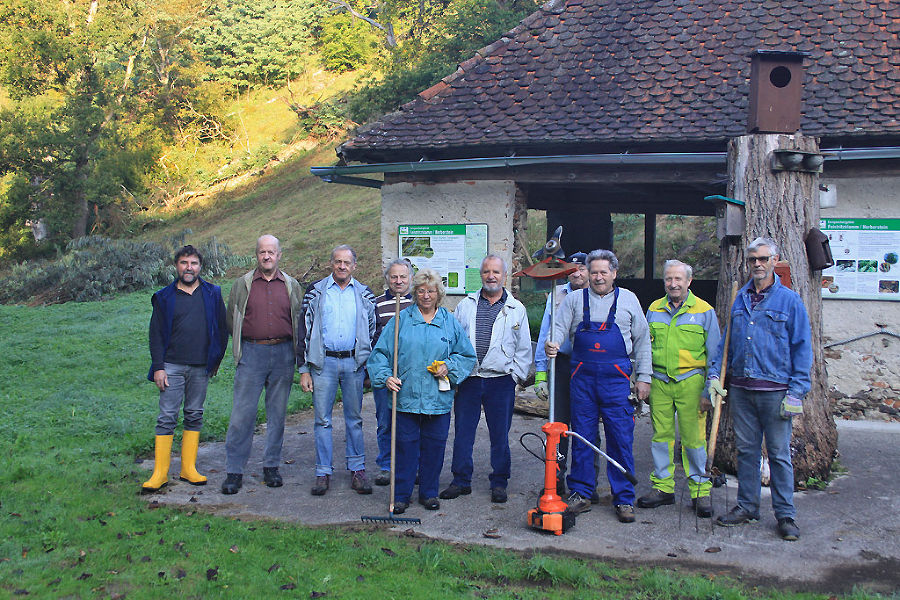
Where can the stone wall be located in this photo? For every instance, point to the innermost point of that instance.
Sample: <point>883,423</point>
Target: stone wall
<point>863,375</point>
<point>417,203</point>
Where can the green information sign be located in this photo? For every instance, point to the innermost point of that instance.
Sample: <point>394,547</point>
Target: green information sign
<point>454,251</point>
<point>865,255</point>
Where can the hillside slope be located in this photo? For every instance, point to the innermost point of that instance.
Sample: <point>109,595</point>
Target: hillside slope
<point>309,216</point>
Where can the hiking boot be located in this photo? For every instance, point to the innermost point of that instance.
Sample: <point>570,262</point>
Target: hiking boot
<point>788,529</point>
<point>400,507</point>
<point>360,482</point>
<point>595,497</point>
<point>232,484</point>
<point>383,478</point>
<point>498,495</point>
<point>322,483</point>
<point>655,499</point>
<point>428,503</point>
<point>735,516</point>
<point>271,477</point>
<point>625,513</point>
<point>702,507</point>
<point>576,503</point>
<point>454,491</point>
<point>561,487</point>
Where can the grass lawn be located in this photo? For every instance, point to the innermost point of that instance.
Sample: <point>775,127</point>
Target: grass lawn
<point>77,411</point>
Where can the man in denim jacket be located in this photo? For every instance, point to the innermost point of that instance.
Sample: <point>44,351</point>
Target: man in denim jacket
<point>769,359</point>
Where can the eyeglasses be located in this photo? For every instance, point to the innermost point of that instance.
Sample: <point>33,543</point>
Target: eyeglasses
<point>752,260</point>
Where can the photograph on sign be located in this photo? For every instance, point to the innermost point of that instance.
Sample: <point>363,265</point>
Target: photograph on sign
<point>866,255</point>
<point>453,250</point>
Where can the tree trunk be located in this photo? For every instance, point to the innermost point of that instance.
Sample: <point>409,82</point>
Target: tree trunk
<point>782,205</point>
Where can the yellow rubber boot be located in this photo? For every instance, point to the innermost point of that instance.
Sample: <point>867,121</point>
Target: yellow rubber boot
<point>160,475</point>
<point>189,443</point>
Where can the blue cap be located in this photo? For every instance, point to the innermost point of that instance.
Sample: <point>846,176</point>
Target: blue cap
<point>579,258</point>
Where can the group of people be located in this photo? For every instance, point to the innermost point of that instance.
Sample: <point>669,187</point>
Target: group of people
<point>605,348</point>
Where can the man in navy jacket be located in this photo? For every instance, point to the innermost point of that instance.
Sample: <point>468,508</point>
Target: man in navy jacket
<point>188,336</point>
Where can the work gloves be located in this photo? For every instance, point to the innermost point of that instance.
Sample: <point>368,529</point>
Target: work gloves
<point>791,407</point>
<point>715,387</point>
<point>443,382</point>
<point>541,389</point>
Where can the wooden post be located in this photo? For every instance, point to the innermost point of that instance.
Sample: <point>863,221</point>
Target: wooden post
<point>782,205</point>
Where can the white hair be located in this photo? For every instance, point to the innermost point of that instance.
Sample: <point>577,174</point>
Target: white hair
<point>688,271</point>
<point>764,241</point>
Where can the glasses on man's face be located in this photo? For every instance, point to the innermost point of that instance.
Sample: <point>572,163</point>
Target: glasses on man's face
<point>752,260</point>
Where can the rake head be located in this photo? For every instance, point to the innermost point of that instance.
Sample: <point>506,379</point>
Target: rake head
<point>392,520</point>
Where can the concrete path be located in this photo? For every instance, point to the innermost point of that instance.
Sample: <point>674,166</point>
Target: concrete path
<point>850,533</point>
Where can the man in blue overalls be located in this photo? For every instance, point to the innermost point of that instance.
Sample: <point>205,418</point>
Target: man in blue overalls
<point>610,339</point>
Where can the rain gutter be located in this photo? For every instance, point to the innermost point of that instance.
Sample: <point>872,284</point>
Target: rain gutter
<point>346,175</point>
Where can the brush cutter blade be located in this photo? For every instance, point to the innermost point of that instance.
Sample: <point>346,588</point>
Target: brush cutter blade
<point>392,520</point>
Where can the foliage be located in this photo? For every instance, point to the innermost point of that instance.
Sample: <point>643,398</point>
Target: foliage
<point>436,37</point>
<point>78,415</point>
<point>95,267</point>
<point>344,43</point>
<point>91,105</point>
<point>263,42</point>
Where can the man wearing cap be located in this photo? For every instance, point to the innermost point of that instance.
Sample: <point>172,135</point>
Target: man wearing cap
<point>610,340</point>
<point>578,279</point>
<point>684,333</point>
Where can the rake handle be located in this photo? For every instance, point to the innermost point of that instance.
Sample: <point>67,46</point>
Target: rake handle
<point>394,401</point>
<point>717,400</point>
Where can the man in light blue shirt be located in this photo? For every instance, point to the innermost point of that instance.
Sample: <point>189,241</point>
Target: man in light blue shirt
<point>334,341</point>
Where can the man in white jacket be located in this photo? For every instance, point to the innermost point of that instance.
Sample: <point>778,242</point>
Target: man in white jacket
<point>497,325</point>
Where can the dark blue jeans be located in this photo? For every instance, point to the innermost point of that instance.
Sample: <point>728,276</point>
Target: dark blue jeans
<point>755,414</point>
<point>496,395</point>
<point>421,442</point>
<point>383,402</point>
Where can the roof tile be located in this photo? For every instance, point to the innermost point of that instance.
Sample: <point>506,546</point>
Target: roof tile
<point>618,71</point>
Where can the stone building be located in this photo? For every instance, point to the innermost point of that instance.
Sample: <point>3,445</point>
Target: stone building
<point>597,107</point>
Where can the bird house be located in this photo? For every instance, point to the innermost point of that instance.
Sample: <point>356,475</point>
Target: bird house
<point>776,88</point>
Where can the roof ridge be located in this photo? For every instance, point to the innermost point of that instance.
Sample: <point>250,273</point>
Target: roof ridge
<point>549,7</point>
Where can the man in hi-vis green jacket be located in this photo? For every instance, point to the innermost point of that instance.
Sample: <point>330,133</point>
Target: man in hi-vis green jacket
<point>684,333</point>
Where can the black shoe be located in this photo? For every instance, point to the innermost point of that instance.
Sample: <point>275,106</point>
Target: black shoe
<point>428,503</point>
<point>271,477</point>
<point>736,516</point>
<point>454,491</point>
<point>383,478</point>
<point>702,507</point>
<point>655,499</point>
<point>233,482</point>
<point>498,495</point>
<point>788,529</point>
<point>321,486</point>
<point>400,507</point>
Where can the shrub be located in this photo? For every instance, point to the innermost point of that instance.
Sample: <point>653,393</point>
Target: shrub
<point>95,267</point>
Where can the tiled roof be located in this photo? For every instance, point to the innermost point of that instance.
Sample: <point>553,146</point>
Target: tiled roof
<point>589,73</point>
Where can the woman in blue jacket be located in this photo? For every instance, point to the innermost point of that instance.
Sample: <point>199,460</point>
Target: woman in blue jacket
<point>428,333</point>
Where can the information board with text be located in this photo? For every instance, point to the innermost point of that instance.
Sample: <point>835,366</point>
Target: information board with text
<point>454,251</point>
<point>865,253</point>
